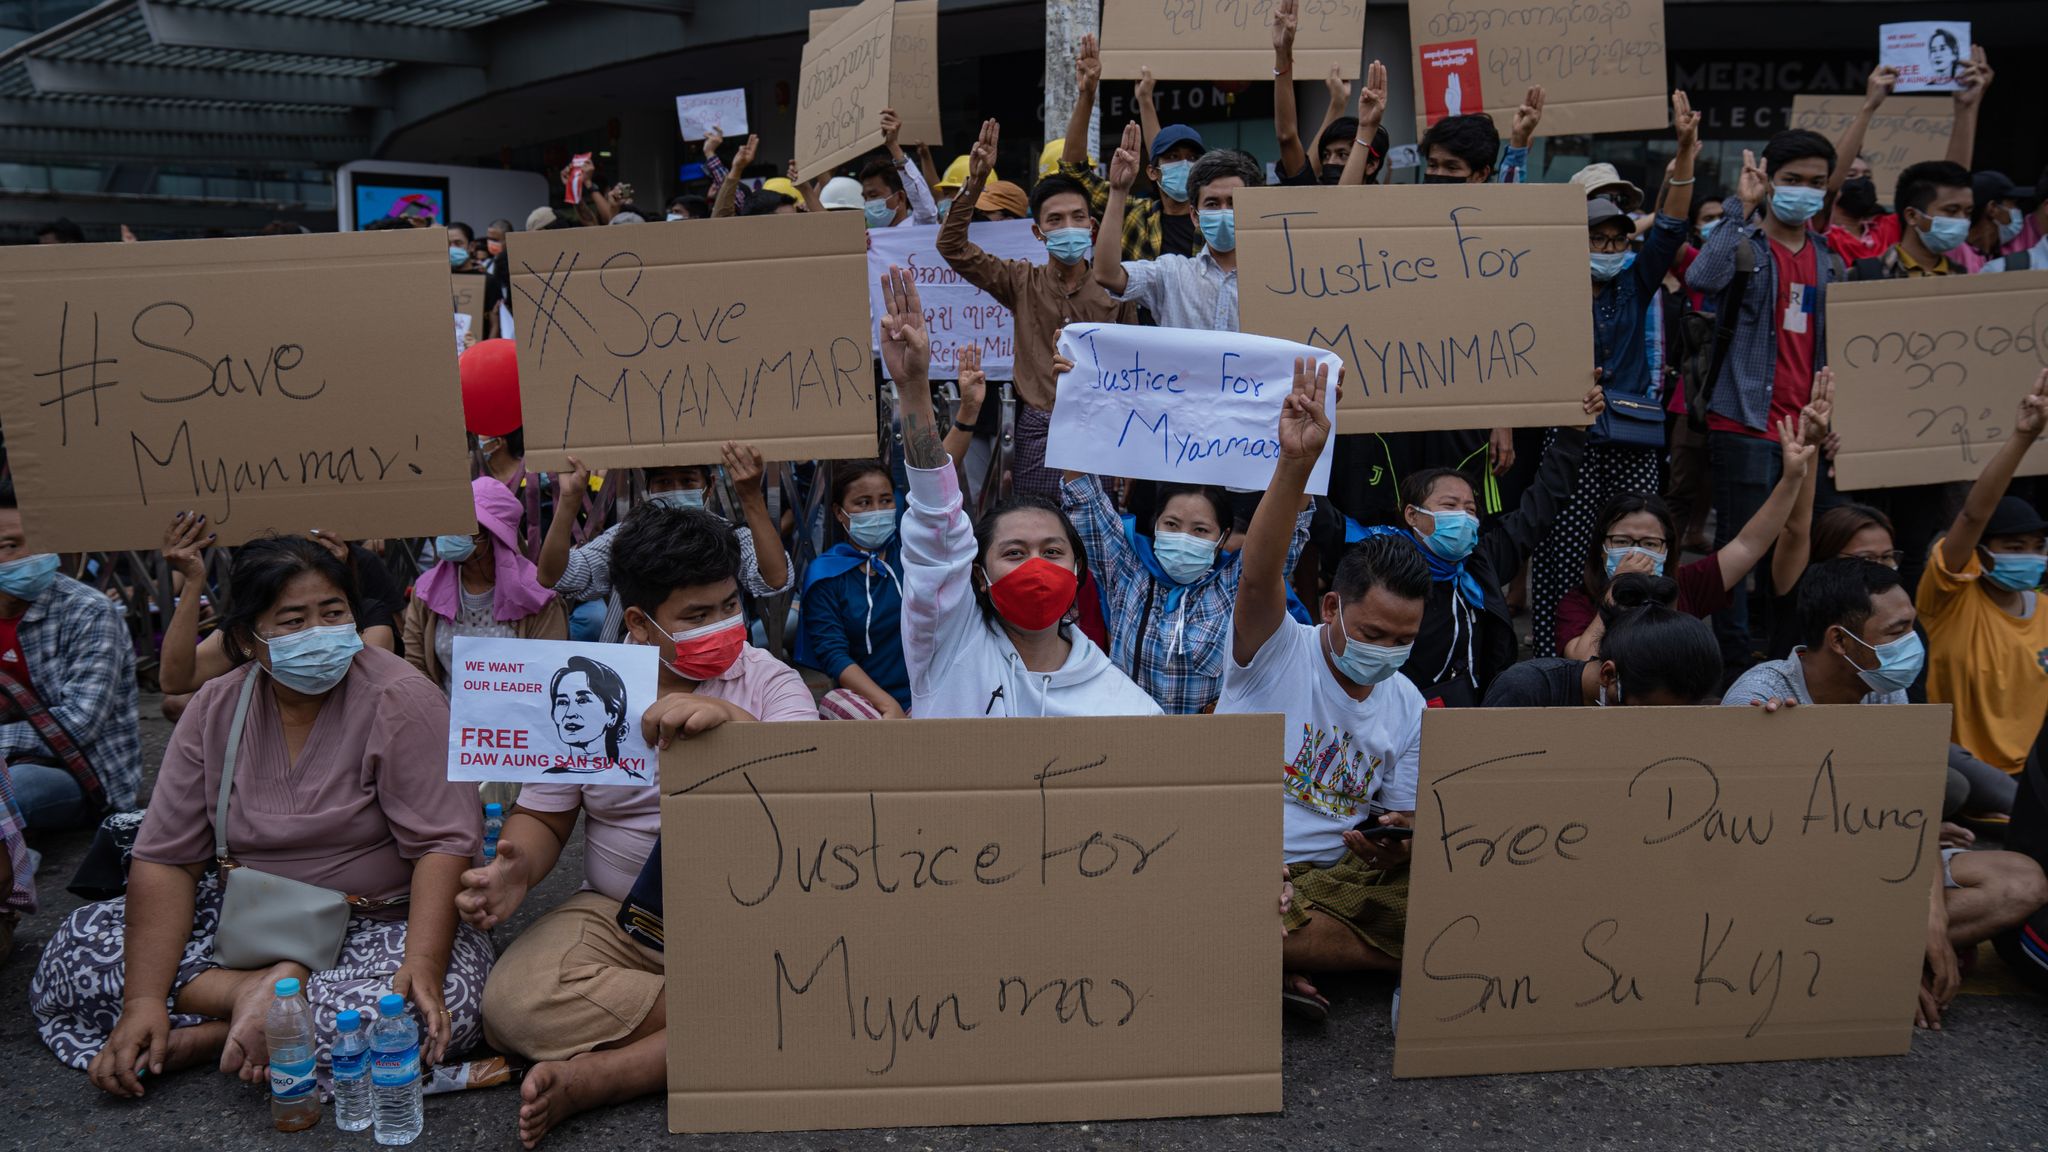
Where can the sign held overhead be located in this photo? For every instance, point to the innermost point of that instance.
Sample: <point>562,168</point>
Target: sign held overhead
<point>844,86</point>
<point>1601,66</point>
<point>913,66</point>
<point>1226,39</point>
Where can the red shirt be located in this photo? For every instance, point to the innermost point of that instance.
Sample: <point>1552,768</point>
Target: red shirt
<point>1879,234</point>
<point>1798,275</point>
<point>12,659</point>
<point>1700,593</point>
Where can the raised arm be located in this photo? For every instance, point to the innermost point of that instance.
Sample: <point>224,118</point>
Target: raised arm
<point>1262,589</point>
<point>973,390</point>
<point>1286,118</point>
<point>1743,553</point>
<point>184,550</point>
<point>570,488</point>
<point>714,169</point>
<point>1962,137</point>
<point>1850,145</point>
<point>744,467</point>
<point>1087,79</point>
<point>1514,163</point>
<point>1109,235</point>
<point>808,187</point>
<point>728,191</point>
<point>974,264</point>
<point>1795,544</point>
<point>1148,112</point>
<point>1991,484</point>
<point>1372,107</point>
<point>1679,181</point>
<point>1339,104</point>
<point>918,194</point>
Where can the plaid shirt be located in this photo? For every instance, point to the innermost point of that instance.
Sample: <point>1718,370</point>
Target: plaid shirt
<point>1177,657</point>
<point>21,896</point>
<point>82,666</point>
<point>716,172</point>
<point>1143,235</point>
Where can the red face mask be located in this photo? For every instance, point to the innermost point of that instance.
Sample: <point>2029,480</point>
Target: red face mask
<point>1035,594</point>
<point>495,247</point>
<point>707,653</point>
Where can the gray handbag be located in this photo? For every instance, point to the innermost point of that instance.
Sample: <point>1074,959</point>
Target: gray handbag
<point>266,919</point>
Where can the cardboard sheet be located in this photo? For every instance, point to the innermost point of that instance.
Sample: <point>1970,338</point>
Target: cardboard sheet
<point>913,66</point>
<point>1454,306</point>
<point>644,346</point>
<point>550,711</point>
<point>843,88</point>
<point>1601,64</point>
<point>971,922</point>
<point>272,383</point>
<point>1637,886</point>
<point>1929,374</point>
<point>1906,130</point>
<point>1227,39</point>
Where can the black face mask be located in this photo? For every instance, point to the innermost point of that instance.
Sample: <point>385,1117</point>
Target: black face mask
<point>1332,173</point>
<point>1858,197</point>
<point>1440,178</point>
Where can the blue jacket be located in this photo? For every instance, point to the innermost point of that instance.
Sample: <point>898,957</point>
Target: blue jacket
<point>1621,310</point>
<point>852,614</point>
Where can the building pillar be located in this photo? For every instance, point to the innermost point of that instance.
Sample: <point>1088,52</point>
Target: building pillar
<point>1066,21</point>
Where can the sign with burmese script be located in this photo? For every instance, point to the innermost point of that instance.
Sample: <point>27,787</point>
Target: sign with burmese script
<point>141,380</point>
<point>1630,886</point>
<point>1929,373</point>
<point>1905,130</point>
<point>550,711</point>
<point>843,87</point>
<point>913,65</point>
<point>647,346</point>
<point>1600,62</point>
<point>971,922</point>
<point>956,312</point>
<point>1453,306</point>
<point>1226,39</point>
<point>1178,405</point>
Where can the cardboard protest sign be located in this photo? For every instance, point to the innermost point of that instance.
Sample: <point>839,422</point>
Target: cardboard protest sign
<point>700,112</point>
<point>1454,306</point>
<point>971,922</point>
<point>643,346</point>
<point>1929,54</point>
<point>1905,131</point>
<point>844,86</point>
<point>140,380</point>
<point>468,289</point>
<point>955,312</point>
<point>913,66</point>
<point>1601,65</point>
<point>550,711</point>
<point>1178,405</point>
<point>1226,39</point>
<point>1929,373</point>
<point>1640,886</point>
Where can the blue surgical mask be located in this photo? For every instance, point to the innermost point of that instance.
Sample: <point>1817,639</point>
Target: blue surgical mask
<point>675,216</point>
<point>1173,179</point>
<point>1455,535</point>
<point>1182,557</point>
<point>1795,204</point>
<point>2010,228</point>
<point>454,549</point>
<point>678,498</point>
<point>1219,228</point>
<point>1364,664</point>
<point>1898,662</point>
<point>313,660</point>
<point>457,255</point>
<point>1608,265</point>
<point>1707,228</point>
<point>1616,555</point>
<point>1944,232</point>
<point>873,529</point>
<point>2016,571</point>
<point>945,206</point>
<point>29,577</point>
<point>1069,245</point>
<point>878,212</point>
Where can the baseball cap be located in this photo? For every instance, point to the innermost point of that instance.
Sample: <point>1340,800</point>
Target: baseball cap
<point>1603,180</point>
<point>2014,517</point>
<point>1600,210</point>
<point>1175,134</point>
<point>1990,185</point>
<point>842,192</point>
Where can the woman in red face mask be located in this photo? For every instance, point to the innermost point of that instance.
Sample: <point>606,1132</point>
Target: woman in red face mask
<point>986,608</point>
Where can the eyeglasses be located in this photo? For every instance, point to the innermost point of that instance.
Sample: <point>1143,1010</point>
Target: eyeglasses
<point>1655,544</point>
<point>1609,243</point>
<point>1891,559</point>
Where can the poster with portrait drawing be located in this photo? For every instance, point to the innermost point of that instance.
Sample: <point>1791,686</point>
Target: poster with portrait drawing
<point>550,712</point>
<point>1929,54</point>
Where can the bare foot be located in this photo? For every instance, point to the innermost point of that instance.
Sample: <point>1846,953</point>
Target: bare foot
<point>547,1097</point>
<point>558,1089</point>
<point>191,1047</point>
<point>1300,997</point>
<point>246,1053</point>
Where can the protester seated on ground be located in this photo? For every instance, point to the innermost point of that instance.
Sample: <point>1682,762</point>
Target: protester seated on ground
<point>2024,947</point>
<point>1635,533</point>
<point>185,662</point>
<point>68,731</point>
<point>339,783</point>
<point>1861,649</point>
<point>1198,291</point>
<point>1665,657</point>
<point>574,992</point>
<point>851,627</point>
<point>584,572</point>
<point>504,457</point>
<point>1851,529</point>
<point>17,867</point>
<point>1986,631</point>
<point>988,608</point>
<point>1147,228</point>
<point>480,586</point>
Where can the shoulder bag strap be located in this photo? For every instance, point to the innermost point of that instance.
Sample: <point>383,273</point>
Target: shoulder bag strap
<point>227,765</point>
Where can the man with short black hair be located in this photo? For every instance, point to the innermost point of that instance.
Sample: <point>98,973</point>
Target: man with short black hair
<point>1180,291</point>
<point>1933,200</point>
<point>893,191</point>
<point>1147,228</point>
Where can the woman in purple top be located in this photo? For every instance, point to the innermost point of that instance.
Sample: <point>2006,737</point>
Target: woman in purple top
<point>338,783</point>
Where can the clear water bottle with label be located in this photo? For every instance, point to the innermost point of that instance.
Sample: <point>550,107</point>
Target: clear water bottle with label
<point>294,1092</point>
<point>494,827</point>
<point>351,1058</point>
<point>395,1072</point>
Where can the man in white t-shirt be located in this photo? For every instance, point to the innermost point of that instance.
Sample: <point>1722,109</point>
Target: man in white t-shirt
<point>1354,729</point>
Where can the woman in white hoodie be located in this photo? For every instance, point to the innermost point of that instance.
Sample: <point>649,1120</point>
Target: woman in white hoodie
<point>986,607</point>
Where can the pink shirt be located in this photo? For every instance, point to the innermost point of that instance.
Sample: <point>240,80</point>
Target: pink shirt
<point>368,795</point>
<point>625,821</point>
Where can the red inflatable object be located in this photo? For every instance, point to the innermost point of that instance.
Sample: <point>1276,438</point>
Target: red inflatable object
<point>490,388</point>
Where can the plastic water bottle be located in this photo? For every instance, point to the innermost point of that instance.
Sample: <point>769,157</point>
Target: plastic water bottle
<point>351,1072</point>
<point>294,1092</point>
<point>494,827</point>
<point>395,1072</point>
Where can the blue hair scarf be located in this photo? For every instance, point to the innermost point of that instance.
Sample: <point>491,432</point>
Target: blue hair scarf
<point>1440,570</point>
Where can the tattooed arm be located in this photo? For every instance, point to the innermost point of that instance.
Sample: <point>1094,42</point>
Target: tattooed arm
<point>907,350</point>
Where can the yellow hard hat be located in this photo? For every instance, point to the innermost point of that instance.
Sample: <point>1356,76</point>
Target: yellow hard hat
<point>781,184</point>
<point>956,175</point>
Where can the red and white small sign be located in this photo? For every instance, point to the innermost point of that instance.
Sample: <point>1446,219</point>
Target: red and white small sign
<point>1450,79</point>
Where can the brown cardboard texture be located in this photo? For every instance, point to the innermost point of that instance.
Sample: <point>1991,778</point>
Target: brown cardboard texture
<point>844,86</point>
<point>1929,373</point>
<point>1600,888</point>
<point>1454,306</point>
<point>1905,130</point>
<point>1601,65</point>
<point>646,346</point>
<point>272,384</point>
<point>1226,39</point>
<point>468,289</point>
<point>971,922</point>
<point>913,67</point>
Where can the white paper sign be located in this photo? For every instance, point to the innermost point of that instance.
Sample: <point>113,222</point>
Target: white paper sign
<point>1179,404</point>
<point>550,711</point>
<point>955,312</point>
<point>701,111</point>
<point>1929,54</point>
<point>462,331</point>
